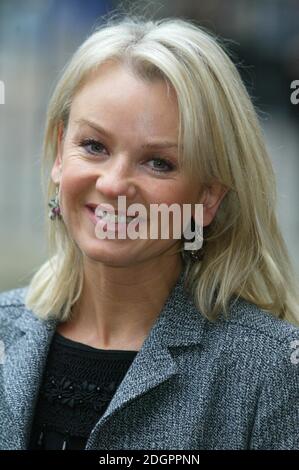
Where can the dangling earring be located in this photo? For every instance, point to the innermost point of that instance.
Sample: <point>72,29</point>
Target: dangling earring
<point>54,206</point>
<point>195,255</point>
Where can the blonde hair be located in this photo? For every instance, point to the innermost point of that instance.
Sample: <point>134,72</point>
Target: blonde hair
<point>220,140</point>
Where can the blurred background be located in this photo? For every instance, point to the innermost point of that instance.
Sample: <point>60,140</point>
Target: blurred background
<point>38,37</point>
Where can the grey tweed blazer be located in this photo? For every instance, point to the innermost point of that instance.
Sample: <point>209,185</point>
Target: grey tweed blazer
<point>194,385</point>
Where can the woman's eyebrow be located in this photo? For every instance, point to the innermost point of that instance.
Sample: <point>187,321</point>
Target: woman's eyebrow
<point>98,128</point>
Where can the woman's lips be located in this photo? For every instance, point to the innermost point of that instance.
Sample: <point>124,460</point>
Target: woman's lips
<point>101,208</point>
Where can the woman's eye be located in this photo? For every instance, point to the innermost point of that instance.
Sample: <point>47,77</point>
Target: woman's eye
<point>162,166</point>
<point>95,147</point>
<point>92,146</point>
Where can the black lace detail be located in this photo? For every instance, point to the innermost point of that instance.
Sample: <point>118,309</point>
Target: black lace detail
<point>77,387</point>
<point>72,394</point>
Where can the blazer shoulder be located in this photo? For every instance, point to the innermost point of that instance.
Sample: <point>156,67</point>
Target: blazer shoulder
<point>12,300</point>
<point>251,319</point>
<point>265,350</point>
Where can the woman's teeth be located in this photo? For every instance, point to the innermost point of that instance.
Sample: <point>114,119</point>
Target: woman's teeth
<point>114,218</point>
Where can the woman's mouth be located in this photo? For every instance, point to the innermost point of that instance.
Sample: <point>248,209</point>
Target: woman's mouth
<point>113,218</point>
<point>110,219</point>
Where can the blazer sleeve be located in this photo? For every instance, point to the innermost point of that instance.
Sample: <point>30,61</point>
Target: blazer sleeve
<point>276,423</point>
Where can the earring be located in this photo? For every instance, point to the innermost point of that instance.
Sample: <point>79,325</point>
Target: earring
<point>195,255</point>
<point>54,206</point>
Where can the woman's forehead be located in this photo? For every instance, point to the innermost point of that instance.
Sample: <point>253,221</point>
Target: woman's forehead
<point>117,82</point>
<point>130,103</point>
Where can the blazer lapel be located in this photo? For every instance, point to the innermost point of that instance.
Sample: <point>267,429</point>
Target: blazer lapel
<point>178,324</point>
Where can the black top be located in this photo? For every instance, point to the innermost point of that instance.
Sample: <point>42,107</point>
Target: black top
<point>78,383</point>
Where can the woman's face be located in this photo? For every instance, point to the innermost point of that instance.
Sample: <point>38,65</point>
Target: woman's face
<point>126,157</point>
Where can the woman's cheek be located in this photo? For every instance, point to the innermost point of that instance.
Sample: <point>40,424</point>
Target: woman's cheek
<point>70,192</point>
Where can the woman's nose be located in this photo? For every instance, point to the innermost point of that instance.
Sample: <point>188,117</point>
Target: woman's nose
<point>116,180</point>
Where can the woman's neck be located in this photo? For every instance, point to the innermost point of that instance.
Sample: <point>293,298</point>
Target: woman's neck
<point>118,307</point>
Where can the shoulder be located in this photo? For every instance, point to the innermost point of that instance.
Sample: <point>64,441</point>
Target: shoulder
<point>12,304</point>
<point>250,321</point>
<point>258,343</point>
<point>264,351</point>
<point>13,296</point>
<point>253,341</point>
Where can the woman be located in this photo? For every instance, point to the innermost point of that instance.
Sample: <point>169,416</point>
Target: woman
<point>143,343</point>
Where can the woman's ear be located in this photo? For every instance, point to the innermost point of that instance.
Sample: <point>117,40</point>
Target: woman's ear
<point>211,199</point>
<point>57,166</point>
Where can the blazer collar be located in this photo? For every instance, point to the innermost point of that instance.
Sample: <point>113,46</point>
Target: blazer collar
<point>178,324</point>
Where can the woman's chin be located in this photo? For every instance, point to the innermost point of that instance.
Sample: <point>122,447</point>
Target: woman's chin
<point>110,255</point>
